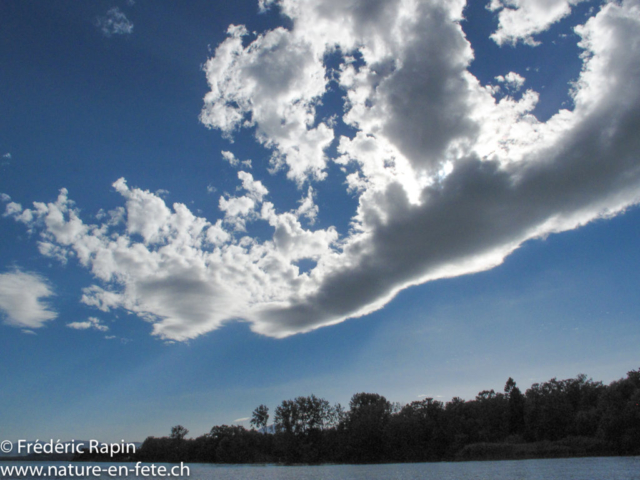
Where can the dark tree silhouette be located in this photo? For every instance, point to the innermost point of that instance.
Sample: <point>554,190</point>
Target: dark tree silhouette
<point>572,417</point>
<point>260,417</point>
<point>515,418</point>
<point>365,426</point>
<point>178,432</point>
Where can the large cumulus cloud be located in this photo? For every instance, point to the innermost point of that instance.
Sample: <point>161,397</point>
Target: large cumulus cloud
<point>449,180</point>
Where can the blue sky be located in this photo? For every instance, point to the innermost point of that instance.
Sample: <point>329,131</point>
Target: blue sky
<point>239,203</point>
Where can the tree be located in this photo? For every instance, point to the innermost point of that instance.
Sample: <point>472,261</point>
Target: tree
<point>515,419</point>
<point>548,411</point>
<point>418,432</point>
<point>336,416</point>
<point>490,411</point>
<point>315,413</point>
<point>178,432</point>
<point>300,425</point>
<point>303,415</point>
<point>260,417</point>
<point>365,425</point>
<point>620,414</point>
<point>286,417</point>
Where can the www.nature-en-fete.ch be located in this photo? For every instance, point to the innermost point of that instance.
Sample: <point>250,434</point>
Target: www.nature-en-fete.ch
<point>87,470</point>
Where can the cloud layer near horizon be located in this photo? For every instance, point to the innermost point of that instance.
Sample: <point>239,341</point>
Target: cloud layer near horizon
<point>449,180</point>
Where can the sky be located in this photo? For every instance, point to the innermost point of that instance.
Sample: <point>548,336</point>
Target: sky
<point>207,206</point>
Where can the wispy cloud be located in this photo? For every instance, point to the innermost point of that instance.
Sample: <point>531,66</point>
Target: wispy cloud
<point>21,295</point>
<point>233,161</point>
<point>115,22</point>
<point>90,323</point>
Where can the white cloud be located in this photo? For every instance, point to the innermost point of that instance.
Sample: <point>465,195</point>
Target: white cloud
<point>239,210</point>
<point>80,325</point>
<point>233,161</point>
<point>185,275</point>
<point>254,188</point>
<point>308,208</point>
<point>263,5</point>
<point>115,22</point>
<point>274,83</point>
<point>4,197</point>
<point>231,158</point>
<point>21,302</point>
<point>519,20</point>
<point>448,180</point>
<point>91,322</point>
<point>512,80</point>
<point>7,156</point>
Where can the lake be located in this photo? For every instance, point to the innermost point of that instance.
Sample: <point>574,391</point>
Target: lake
<point>597,468</point>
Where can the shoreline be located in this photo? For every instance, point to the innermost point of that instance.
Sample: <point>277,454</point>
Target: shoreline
<point>275,464</point>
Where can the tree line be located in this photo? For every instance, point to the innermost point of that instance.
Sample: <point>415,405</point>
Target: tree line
<point>572,417</point>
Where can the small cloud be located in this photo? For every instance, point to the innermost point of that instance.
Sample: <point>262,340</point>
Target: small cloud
<point>230,157</point>
<point>237,31</point>
<point>308,208</point>
<point>520,20</point>
<point>28,332</point>
<point>240,420</point>
<point>512,81</point>
<point>4,197</point>
<point>7,156</point>
<point>21,296</point>
<point>109,337</point>
<point>211,189</point>
<point>233,161</point>
<point>162,192</point>
<point>115,23</point>
<point>79,325</point>
<point>263,5</point>
<point>92,322</point>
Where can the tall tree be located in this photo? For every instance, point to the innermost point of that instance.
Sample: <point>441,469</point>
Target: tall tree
<point>515,419</point>
<point>178,432</point>
<point>260,417</point>
<point>365,426</point>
